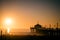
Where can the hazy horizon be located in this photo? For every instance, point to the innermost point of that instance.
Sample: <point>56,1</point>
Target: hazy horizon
<point>25,14</point>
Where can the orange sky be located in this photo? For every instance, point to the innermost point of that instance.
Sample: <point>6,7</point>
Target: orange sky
<point>26,14</point>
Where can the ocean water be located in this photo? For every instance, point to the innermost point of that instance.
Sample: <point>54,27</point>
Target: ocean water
<point>26,33</point>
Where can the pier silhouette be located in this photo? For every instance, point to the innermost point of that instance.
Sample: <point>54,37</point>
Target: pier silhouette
<point>47,31</point>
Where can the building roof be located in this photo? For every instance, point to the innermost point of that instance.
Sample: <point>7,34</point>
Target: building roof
<point>37,26</point>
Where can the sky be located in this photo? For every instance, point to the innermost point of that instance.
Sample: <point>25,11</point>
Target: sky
<point>26,13</point>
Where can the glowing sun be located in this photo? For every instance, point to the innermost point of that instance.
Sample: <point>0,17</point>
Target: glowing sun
<point>8,21</point>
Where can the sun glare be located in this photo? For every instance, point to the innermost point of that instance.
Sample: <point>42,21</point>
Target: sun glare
<point>8,21</point>
<point>8,30</point>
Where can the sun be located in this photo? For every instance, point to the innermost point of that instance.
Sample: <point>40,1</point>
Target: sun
<point>8,21</point>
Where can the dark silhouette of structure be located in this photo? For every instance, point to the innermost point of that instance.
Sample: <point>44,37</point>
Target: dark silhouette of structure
<point>1,32</point>
<point>47,31</point>
<point>36,28</point>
